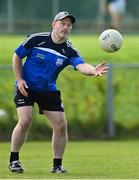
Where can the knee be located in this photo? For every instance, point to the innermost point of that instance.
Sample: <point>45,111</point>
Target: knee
<point>61,128</point>
<point>25,123</point>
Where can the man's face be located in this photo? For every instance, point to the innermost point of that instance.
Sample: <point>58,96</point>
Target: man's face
<point>62,28</point>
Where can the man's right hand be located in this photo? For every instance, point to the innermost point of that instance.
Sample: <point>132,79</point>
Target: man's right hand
<point>22,87</point>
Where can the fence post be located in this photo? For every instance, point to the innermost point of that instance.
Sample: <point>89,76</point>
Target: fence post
<point>110,121</point>
<point>55,7</point>
<point>10,16</point>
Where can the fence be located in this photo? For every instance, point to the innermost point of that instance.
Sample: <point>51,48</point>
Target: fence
<point>19,16</point>
<point>121,92</point>
<point>111,108</point>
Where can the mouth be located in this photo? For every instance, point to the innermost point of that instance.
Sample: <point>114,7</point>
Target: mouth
<point>64,33</point>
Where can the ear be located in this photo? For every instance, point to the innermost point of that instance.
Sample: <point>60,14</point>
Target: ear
<point>53,24</point>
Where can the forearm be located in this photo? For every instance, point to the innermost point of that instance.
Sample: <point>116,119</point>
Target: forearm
<point>17,67</point>
<point>86,69</point>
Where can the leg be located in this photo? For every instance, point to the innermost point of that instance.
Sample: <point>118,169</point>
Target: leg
<point>19,136</point>
<point>116,16</point>
<point>20,132</point>
<point>116,21</point>
<point>58,123</point>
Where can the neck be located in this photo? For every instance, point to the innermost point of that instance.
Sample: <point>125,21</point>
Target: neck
<point>56,39</point>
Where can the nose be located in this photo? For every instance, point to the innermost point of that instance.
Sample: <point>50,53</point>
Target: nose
<point>66,27</point>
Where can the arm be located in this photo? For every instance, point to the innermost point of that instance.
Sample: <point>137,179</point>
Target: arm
<point>90,70</point>
<point>17,68</point>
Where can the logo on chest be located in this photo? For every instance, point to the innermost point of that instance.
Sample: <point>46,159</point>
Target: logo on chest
<point>59,61</point>
<point>41,56</point>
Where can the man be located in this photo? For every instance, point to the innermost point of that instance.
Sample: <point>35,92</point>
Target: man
<point>47,55</point>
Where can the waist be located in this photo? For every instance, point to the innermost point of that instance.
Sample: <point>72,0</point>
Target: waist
<point>41,86</point>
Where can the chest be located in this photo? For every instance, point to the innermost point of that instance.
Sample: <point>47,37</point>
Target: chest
<point>46,56</point>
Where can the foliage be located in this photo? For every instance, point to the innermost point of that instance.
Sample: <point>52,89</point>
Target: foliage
<point>84,97</point>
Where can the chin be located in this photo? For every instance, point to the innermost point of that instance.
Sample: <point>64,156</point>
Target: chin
<point>64,36</point>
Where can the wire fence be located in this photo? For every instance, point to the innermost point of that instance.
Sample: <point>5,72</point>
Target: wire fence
<point>122,95</point>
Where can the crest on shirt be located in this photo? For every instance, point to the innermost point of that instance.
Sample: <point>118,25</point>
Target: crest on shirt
<point>59,61</point>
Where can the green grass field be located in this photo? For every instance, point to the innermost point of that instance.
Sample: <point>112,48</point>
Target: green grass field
<point>86,44</point>
<point>83,160</point>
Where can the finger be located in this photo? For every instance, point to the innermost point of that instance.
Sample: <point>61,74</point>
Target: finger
<point>98,74</point>
<point>103,63</point>
<point>106,67</point>
<point>26,86</point>
<point>104,71</point>
<point>23,91</point>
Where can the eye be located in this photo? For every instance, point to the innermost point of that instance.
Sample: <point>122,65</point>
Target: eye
<point>66,24</point>
<point>62,23</point>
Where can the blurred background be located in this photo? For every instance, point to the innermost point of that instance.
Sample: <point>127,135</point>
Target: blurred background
<point>99,108</point>
<point>18,16</point>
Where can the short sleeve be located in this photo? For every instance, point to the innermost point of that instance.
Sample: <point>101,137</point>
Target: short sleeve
<point>76,61</point>
<point>22,51</point>
<point>25,48</point>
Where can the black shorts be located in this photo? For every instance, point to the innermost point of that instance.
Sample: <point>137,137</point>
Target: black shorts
<point>49,100</point>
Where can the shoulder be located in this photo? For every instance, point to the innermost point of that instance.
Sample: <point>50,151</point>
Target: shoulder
<point>73,51</point>
<point>33,39</point>
<point>38,34</point>
<point>69,44</point>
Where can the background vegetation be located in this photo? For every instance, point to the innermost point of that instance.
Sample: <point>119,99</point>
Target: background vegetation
<point>84,97</point>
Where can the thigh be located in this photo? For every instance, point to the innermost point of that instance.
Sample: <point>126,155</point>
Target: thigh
<point>25,114</point>
<point>56,118</point>
<point>49,101</point>
<point>21,100</point>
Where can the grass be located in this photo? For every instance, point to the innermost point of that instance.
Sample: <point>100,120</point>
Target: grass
<point>89,48</point>
<point>83,160</point>
<point>86,44</point>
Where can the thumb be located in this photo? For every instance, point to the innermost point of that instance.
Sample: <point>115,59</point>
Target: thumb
<point>26,86</point>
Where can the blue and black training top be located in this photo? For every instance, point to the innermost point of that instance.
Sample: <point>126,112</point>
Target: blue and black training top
<point>45,60</point>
